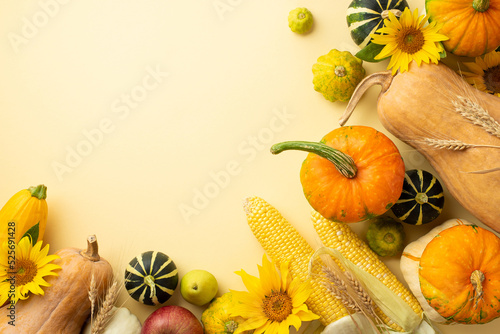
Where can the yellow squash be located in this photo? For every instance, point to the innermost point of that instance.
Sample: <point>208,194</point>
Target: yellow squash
<point>26,210</point>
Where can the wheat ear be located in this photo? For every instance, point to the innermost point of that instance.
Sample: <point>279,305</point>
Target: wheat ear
<point>106,309</point>
<point>345,286</point>
<point>450,144</point>
<point>92,296</point>
<point>476,114</point>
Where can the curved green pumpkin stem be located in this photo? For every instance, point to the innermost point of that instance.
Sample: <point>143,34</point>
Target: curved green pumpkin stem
<point>342,162</point>
<point>481,5</point>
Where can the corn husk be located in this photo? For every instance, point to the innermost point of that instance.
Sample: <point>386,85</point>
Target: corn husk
<point>358,323</point>
<point>388,302</point>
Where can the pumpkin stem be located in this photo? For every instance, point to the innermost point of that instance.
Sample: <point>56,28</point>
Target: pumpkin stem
<point>383,79</point>
<point>39,191</point>
<point>422,198</point>
<point>150,281</point>
<point>477,278</point>
<point>91,252</point>
<point>342,162</point>
<point>481,5</point>
<point>385,13</point>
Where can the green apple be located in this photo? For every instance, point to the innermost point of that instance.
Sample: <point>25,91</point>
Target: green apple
<point>199,287</point>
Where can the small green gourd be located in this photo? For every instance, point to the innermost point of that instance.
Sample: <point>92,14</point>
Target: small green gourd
<point>386,236</point>
<point>421,200</point>
<point>337,74</point>
<point>151,278</point>
<point>300,20</point>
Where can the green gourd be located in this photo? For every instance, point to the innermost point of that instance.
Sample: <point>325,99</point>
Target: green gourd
<point>364,17</point>
<point>151,278</point>
<point>386,236</point>
<point>421,200</point>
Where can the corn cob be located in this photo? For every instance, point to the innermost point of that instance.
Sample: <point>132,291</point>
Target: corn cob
<point>341,237</point>
<point>282,243</point>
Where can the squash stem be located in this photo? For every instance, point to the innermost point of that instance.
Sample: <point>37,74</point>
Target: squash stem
<point>383,79</point>
<point>39,191</point>
<point>91,252</point>
<point>477,278</point>
<point>342,162</point>
<point>481,5</point>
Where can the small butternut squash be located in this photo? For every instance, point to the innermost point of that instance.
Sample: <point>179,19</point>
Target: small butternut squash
<point>65,305</point>
<point>454,272</point>
<point>27,209</point>
<point>455,126</point>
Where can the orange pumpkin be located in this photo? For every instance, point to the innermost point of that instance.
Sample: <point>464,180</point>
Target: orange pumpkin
<point>454,271</point>
<point>355,173</point>
<point>473,26</point>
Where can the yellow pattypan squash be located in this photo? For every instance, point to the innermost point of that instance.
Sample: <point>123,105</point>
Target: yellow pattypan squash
<point>337,74</point>
<point>216,318</point>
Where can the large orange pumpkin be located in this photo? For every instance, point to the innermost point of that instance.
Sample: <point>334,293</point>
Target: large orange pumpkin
<point>473,26</point>
<point>454,272</point>
<point>355,173</point>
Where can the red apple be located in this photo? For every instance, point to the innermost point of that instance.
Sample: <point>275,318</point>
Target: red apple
<point>172,319</point>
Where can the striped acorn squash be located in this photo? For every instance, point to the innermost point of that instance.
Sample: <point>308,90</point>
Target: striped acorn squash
<point>364,17</point>
<point>151,278</point>
<point>421,200</point>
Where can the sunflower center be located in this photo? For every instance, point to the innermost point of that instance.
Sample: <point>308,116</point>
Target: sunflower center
<point>492,79</point>
<point>277,306</point>
<point>410,40</point>
<point>24,271</point>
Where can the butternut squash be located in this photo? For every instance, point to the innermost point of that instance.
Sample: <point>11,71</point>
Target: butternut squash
<point>455,126</point>
<point>65,305</point>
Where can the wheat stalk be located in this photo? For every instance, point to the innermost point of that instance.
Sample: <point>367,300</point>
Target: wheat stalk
<point>105,311</point>
<point>338,288</point>
<point>365,299</point>
<point>351,293</point>
<point>450,144</point>
<point>477,115</point>
<point>92,296</point>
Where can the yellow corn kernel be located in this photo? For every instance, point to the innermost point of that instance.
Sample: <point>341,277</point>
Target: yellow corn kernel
<point>282,243</point>
<point>341,237</point>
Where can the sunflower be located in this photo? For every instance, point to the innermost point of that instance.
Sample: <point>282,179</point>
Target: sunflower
<point>484,73</point>
<point>24,275</point>
<point>407,39</point>
<point>273,303</point>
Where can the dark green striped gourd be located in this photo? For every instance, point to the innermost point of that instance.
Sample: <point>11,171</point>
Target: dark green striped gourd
<point>421,200</point>
<point>364,17</point>
<point>151,278</point>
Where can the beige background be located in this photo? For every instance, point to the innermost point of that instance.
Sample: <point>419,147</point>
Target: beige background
<point>150,122</point>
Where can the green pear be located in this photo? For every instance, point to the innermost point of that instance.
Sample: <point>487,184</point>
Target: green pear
<point>199,287</point>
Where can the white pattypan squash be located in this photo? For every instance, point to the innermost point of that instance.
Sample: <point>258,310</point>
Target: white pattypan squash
<point>122,322</point>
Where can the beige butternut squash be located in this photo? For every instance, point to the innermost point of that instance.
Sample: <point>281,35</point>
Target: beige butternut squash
<point>455,126</point>
<point>65,305</point>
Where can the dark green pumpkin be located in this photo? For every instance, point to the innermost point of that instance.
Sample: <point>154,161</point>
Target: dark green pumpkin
<point>151,278</point>
<point>421,200</point>
<point>364,17</point>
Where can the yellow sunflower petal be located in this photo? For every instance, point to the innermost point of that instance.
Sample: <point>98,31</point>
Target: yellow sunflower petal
<point>481,63</point>
<point>252,323</point>
<point>492,59</point>
<point>295,321</point>
<point>269,277</point>
<point>305,314</point>
<point>252,283</point>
